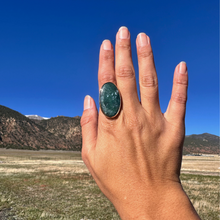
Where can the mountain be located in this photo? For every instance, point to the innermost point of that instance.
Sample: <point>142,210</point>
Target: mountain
<point>202,143</point>
<point>20,132</point>
<point>65,127</point>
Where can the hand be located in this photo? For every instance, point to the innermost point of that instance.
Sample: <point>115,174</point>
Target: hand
<point>135,158</point>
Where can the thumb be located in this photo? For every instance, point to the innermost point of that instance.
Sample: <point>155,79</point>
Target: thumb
<point>89,122</point>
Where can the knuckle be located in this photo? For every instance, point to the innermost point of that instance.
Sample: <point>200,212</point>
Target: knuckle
<point>106,77</point>
<point>124,45</point>
<point>125,71</point>
<point>107,125</point>
<point>86,118</point>
<point>156,126</point>
<point>107,56</point>
<point>182,81</point>
<point>149,81</point>
<point>180,98</point>
<point>134,124</point>
<point>145,53</point>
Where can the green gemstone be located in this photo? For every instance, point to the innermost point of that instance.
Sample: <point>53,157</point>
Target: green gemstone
<point>109,100</point>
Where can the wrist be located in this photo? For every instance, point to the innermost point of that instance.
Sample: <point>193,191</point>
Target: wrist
<point>164,202</point>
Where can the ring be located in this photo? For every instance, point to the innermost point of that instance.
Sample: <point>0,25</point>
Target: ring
<point>110,100</point>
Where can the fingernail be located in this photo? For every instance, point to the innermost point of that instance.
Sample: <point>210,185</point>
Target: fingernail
<point>182,67</point>
<point>142,40</point>
<point>107,45</point>
<point>124,33</point>
<point>87,102</point>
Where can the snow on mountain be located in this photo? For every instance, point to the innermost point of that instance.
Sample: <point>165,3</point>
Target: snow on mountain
<point>36,117</point>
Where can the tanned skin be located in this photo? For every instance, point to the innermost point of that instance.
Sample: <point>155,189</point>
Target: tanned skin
<point>136,157</point>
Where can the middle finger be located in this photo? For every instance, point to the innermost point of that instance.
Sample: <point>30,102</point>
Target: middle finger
<point>124,70</point>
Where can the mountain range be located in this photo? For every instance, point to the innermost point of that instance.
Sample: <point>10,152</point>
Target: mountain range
<point>34,132</point>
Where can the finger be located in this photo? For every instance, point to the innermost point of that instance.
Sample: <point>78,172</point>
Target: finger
<point>124,70</point>
<point>147,75</point>
<point>106,71</point>
<point>177,106</point>
<point>89,122</point>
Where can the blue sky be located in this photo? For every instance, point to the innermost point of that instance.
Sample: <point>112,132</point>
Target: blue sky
<point>49,52</point>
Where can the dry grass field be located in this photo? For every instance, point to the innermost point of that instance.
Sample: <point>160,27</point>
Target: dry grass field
<point>205,165</point>
<point>57,185</point>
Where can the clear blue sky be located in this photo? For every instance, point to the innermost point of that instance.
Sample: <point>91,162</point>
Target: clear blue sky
<point>49,52</point>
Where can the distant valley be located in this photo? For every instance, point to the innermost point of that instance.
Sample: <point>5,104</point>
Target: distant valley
<point>34,132</point>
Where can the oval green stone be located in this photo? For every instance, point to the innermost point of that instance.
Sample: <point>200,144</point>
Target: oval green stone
<point>109,100</point>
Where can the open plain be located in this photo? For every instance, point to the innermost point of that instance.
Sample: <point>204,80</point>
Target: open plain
<point>57,185</point>
<point>204,164</point>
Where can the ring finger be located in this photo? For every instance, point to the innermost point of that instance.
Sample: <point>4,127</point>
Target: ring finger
<point>147,75</point>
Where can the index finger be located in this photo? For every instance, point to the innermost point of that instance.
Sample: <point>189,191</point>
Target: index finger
<point>106,71</point>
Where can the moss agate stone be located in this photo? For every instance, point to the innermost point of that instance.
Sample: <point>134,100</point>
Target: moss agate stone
<point>109,100</point>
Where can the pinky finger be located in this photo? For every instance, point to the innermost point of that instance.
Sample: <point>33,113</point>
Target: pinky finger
<point>177,106</point>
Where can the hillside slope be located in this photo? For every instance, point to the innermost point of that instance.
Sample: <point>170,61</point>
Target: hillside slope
<point>20,132</point>
<point>201,143</point>
<point>67,128</point>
